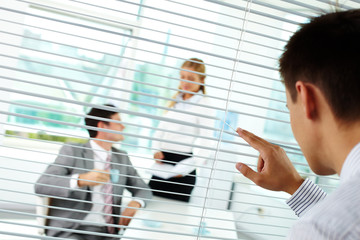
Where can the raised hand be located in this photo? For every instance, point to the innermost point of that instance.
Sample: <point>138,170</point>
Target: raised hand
<point>274,169</point>
<point>129,212</point>
<point>160,156</point>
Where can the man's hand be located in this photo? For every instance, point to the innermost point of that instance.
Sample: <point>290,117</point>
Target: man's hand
<point>100,178</point>
<point>159,155</point>
<point>129,212</point>
<point>274,169</point>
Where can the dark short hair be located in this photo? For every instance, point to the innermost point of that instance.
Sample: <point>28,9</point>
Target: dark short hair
<point>98,112</point>
<point>326,52</point>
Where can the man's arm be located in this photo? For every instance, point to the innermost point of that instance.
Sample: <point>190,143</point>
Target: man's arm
<point>135,184</point>
<point>93,178</point>
<point>55,181</point>
<point>129,212</point>
<point>58,177</point>
<point>140,192</point>
<point>307,195</point>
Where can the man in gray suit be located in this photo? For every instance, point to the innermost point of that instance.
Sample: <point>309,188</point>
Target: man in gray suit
<point>76,180</point>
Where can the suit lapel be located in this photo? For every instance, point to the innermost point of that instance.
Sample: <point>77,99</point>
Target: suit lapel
<point>89,154</point>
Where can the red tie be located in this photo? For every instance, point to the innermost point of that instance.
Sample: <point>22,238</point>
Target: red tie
<point>107,189</point>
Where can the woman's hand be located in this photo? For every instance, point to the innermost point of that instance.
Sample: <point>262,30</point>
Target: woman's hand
<point>160,156</point>
<point>128,213</point>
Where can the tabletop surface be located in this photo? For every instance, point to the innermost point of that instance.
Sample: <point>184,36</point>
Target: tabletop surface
<point>170,219</point>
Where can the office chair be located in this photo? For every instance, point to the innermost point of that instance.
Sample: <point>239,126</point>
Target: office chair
<point>42,209</point>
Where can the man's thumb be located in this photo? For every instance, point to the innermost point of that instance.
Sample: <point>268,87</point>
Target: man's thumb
<point>245,170</point>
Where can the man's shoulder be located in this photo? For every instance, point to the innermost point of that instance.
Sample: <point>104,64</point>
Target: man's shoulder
<point>337,216</point>
<point>121,154</point>
<point>347,194</point>
<point>340,209</point>
<point>75,147</point>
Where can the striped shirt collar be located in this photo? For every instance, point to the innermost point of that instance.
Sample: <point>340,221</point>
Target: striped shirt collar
<point>351,165</point>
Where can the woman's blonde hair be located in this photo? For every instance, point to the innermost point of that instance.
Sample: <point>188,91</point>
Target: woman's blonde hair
<point>197,65</point>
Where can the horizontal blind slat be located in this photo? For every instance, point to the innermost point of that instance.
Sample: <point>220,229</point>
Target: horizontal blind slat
<point>67,177</point>
<point>143,39</point>
<point>63,229</point>
<point>150,210</point>
<point>130,112</point>
<point>150,73</point>
<point>286,145</point>
<point>282,19</point>
<point>143,94</point>
<point>138,218</point>
<point>202,147</point>
<point>188,27</point>
<point>133,48</point>
<point>148,158</point>
<point>171,222</point>
<point>27,235</point>
<point>258,58</point>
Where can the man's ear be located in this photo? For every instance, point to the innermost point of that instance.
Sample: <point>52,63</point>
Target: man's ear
<point>307,97</point>
<point>100,124</point>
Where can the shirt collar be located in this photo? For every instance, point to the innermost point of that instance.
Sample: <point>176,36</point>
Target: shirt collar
<point>99,151</point>
<point>194,99</point>
<point>351,165</point>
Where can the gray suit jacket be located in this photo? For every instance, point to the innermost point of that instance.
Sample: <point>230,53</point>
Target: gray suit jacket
<point>75,156</point>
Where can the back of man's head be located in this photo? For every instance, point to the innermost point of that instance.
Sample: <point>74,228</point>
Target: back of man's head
<point>100,113</point>
<point>325,52</point>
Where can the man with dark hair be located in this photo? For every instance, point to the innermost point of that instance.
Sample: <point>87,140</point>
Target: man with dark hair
<point>321,71</point>
<point>93,122</point>
<point>78,182</point>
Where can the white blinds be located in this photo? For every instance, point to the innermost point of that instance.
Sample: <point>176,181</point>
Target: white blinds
<point>59,59</point>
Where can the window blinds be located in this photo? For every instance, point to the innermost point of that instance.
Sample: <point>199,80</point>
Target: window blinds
<point>59,59</point>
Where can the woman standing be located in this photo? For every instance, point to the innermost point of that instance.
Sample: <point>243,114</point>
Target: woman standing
<point>176,147</point>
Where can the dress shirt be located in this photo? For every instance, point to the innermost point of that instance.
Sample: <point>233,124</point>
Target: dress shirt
<point>95,215</point>
<point>336,216</point>
<point>167,140</point>
<point>100,156</point>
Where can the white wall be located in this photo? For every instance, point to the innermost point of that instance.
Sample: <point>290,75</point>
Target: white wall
<point>21,163</point>
<point>6,50</point>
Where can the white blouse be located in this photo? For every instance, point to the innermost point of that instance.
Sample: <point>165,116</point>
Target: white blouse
<point>178,141</point>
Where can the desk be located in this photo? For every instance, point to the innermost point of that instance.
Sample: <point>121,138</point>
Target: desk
<point>170,219</point>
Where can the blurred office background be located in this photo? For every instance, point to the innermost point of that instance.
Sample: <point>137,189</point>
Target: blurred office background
<point>60,58</point>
